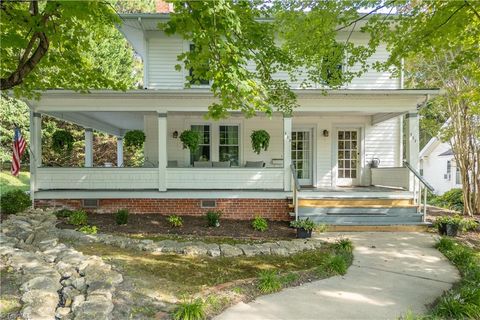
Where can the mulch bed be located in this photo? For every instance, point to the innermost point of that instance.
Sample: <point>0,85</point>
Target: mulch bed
<point>155,224</point>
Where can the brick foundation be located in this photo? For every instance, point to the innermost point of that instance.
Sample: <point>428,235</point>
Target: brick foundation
<point>241,209</point>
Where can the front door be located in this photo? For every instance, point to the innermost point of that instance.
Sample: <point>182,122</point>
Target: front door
<point>302,155</point>
<point>348,154</point>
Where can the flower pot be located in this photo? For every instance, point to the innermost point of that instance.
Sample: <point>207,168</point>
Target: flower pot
<point>452,230</point>
<point>442,229</point>
<point>303,233</point>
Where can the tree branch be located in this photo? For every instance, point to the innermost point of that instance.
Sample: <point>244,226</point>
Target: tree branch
<point>365,15</point>
<point>473,9</point>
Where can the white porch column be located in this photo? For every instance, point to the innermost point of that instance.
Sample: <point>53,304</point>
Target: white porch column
<point>162,152</point>
<point>119,152</point>
<point>412,149</point>
<point>35,148</point>
<point>287,152</point>
<point>88,147</point>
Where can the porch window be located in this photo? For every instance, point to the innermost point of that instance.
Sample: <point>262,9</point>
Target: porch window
<point>228,149</point>
<point>203,151</point>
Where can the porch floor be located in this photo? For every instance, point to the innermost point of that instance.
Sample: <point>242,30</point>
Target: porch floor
<point>355,192</point>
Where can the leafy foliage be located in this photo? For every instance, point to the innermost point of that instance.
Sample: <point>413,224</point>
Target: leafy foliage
<point>134,139</point>
<point>78,218</point>
<point>260,140</point>
<point>269,281</point>
<point>190,310</point>
<point>175,221</point>
<point>213,218</point>
<point>334,264</point>
<point>190,139</point>
<point>89,229</point>
<point>121,217</point>
<point>13,113</point>
<point>260,224</point>
<point>306,224</point>
<point>452,199</point>
<point>62,141</point>
<point>344,245</point>
<point>63,213</point>
<point>14,201</point>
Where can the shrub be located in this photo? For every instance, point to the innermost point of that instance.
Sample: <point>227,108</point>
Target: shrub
<point>306,224</point>
<point>452,199</point>
<point>89,229</point>
<point>213,218</point>
<point>190,310</point>
<point>335,264</point>
<point>78,218</point>
<point>260,224</point>
<point>321,228</point>
<point>175,221</point>
<point>344,245</point>
<point>63,213</point>
<point>269,281</point>
<point>14,201</point>
<point>121,217</point>
<point>469,224</point>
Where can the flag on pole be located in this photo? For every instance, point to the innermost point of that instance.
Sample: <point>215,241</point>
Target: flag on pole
<point>19,145</point>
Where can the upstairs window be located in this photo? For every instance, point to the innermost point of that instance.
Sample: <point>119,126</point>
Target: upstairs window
<point>228,149</point>
<point>196,80</point>
<point>203,151</point>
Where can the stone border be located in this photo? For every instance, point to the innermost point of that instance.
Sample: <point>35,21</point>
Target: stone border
<point>58,281</point>
<point>195,248</point>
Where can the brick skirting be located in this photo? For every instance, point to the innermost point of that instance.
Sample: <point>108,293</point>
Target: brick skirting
<point>241,209</point>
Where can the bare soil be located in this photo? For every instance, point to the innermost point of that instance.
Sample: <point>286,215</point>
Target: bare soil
<point>155,224</point>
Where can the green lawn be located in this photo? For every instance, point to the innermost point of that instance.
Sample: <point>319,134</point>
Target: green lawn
<point>9,182</point>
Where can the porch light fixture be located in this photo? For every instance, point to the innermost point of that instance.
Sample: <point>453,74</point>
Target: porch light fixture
<point>325,133</point>
<point>175,134</point>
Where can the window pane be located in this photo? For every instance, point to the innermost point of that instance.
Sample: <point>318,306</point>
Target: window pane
<point>201,154</point>
<point>229,146</point>
<point>229,153</point>
<point>203,151</point>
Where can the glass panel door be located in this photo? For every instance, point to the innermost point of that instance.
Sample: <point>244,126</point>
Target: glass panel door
<point>347,157</point>
<point>302,155</point>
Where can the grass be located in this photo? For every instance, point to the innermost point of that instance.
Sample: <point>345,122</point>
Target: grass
<point>9,182</point>
<point>219,281</point>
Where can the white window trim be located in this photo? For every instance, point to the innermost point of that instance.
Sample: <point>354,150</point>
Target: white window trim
<point>239,143</point>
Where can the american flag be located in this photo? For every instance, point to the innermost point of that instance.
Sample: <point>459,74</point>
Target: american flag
<point>19,145</point>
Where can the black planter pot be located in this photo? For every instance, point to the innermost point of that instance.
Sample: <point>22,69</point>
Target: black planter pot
<point>452,230</point>
<point>442,229</point>
<point>303,234</point>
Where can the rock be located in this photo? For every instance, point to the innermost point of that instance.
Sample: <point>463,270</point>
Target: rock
<point>195,250</point>
<point>79,283</point>
<point>62,313</point>
<point>39,304</point>
<point>279,250</point>
<point>228,250</point>
<point>95,307</point>
<point>30,238</point>
<point>41,283</point>
<point>253,249</point>
<point>213,250</point>
<point>77,301</point>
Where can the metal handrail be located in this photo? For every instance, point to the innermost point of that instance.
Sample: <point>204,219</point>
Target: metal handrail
<point>296,190</point>
<point>425,184</point>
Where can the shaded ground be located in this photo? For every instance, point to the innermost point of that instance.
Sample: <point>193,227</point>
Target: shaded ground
<point>153,283</point>
<point>155,224</point>
<point>10,304</point>
<point>391,274</point>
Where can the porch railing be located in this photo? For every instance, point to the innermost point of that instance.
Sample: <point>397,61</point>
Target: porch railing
<point>423,185</point>
<point>296,190</point>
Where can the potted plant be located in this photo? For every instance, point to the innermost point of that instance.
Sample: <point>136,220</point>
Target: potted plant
<point>62,140</point>
<point>134,138</point>
<point>190,139</point>
<point>304,228</point>
<point>260,140</point>
<point>448,225</point>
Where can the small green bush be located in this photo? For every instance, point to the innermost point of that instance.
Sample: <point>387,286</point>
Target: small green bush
<point>63,213</point>
<point>344,245</point>
<point>269,281</point>
<point>306,224</point>
<point>445,244</point>
<point>78,218</point>
<point>121,217</point>
<point>14,201</point>
<point>452,199</point>
<point>190,310</point>
<point>260,224</point>
<point>213,218</point>
<point>289,278</point>
<point>89,229</point>
<point>175,221</point>
<point>335,264</point>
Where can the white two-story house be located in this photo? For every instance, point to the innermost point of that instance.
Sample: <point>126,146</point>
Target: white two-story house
<point>330,140</point>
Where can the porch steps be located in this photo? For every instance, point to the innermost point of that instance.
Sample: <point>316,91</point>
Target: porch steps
<point>353,202</point>
<point>405,227</point>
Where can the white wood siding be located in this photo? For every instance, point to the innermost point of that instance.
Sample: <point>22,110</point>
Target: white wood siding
<point>97,178</point>
<point>162,52</point>
<point>391,177</point>
<point>382,141</point>
<point>151,139</point>
<point>434,169</point>
<point>225,178</point>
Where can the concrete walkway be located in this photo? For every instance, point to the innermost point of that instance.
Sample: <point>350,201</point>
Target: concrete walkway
<point>391,274</point>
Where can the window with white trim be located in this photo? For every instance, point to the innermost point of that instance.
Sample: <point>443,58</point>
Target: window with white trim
<point>458,178</point>
<point>228,147</point>
<point>203,151</point>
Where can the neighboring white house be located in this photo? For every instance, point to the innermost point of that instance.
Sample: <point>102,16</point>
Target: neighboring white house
<point>330,139</point>
<point>438,166</point>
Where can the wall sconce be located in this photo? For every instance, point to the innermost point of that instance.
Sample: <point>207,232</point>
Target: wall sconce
<point>325,133</point>
<point>175,134</point>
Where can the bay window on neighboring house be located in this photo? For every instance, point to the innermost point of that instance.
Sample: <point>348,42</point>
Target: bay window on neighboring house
<point>203,151</point>
<point>228,147</point>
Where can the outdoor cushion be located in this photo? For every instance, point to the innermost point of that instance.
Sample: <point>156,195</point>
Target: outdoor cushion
<point>172,164</point>
<point>221,164</point>
<point>254,164</point>
<point>202,164</point>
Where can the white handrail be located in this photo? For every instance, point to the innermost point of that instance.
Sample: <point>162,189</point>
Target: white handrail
<point>296,190</point>
<point>426,186</point>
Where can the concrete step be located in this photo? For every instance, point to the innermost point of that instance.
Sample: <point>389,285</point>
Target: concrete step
<point>358,210</point>
<point>404,227</point>
<point>355,203</point>
<point>363,219</point>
